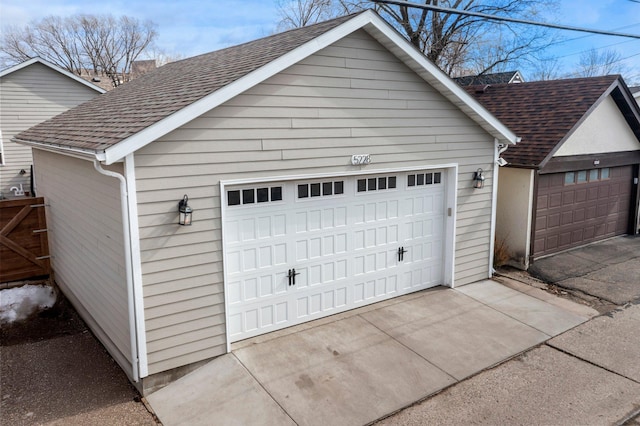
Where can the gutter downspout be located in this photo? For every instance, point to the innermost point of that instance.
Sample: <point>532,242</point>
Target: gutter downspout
<point>499,149</point>
<point>124,203</point>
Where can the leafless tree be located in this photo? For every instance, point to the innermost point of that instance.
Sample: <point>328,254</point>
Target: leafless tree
<point>546,69</point>
<point>96,44</point>
<point>593,63</point>
<point>458,44</point>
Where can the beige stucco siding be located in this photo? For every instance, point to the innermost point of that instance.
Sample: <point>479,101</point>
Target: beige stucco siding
<point>351,98</point>
<point>27,97</point>
<point>86,244</point>
<point>514,213</point>
<point>604,130</point>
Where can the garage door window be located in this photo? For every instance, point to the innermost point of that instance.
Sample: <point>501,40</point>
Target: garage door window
<point>254,195</point>
<point>320,189</point>
<point>582,176</point>
<point>422,179</point>
<point>593,175</point>
<point>376,183</point>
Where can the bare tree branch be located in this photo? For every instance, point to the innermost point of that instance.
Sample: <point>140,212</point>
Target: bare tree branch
<point>456,43</point>
<point>98,45</point>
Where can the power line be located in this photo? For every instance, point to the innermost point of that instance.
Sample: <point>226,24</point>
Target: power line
<point>506,19</point>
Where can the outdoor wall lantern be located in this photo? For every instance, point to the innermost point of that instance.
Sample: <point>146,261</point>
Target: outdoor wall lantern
<point>478,179</point>
<point>185,211</point>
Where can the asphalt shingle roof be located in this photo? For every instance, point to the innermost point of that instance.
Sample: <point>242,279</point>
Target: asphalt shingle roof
<point>542,113</point>
<point>494,78</point>
<point>132,107</point>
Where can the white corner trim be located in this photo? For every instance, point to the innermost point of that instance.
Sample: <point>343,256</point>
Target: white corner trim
<point>53,67</point>
<point>494,203</point>
<point>136,265</point>
<point>450,227</point>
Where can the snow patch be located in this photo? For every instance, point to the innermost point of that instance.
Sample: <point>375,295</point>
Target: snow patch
<point>17,304</point>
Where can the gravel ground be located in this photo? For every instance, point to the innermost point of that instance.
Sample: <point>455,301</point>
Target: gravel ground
<point>54,371</point>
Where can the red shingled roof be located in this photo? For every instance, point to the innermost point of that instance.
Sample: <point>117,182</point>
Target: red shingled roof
<point>132,107</point>
<point>542,113</point>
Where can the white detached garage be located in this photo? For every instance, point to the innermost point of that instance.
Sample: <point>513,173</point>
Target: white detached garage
<point>328,167</point>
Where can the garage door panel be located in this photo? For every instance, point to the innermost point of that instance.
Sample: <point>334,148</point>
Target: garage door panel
<point>343,248</point>
<point>593,209</point>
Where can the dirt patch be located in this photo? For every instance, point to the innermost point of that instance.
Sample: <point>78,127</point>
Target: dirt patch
<point>577,296</point>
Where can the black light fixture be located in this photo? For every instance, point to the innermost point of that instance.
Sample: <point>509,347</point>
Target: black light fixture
<point>478,179</point>
<point>185,211</point>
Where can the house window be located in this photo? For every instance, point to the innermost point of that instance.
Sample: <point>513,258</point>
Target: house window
<point>320,189</point>
<point>237,197</point>
<point>604,173</point>
<point>593,175</point>
<point>376,184</point>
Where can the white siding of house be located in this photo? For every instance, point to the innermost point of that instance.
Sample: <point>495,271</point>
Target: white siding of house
<point>514,213</point>
<point>605,130</point>
<point>29,96</point>
<point>86,243</point>
<point>351,98</point>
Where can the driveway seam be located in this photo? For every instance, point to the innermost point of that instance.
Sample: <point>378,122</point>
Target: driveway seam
<point>516,319</point>
<point>552,346</point>
<point>265,389</point>
<point>410,349</point>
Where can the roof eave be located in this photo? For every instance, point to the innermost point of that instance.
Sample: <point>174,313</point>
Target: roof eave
<point>87,154</point>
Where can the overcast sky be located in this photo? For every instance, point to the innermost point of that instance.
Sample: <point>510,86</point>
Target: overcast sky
<point>190,27</point>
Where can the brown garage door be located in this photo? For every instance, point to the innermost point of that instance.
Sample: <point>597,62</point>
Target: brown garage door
<point>580,207</point>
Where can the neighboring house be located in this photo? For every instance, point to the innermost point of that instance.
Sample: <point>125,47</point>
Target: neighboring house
<point>32,92</point>
<point>328,167</point>
<point>138,69</point>
<point>573,179</point>
<point>507,77</point>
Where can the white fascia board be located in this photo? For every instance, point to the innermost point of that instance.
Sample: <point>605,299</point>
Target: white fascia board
<point>190,112</point>
<point>64,150</point>
<point>442,82</point>
<point>53,67</point>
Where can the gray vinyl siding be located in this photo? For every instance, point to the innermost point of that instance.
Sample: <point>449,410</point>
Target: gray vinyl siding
<point>351,98</point>
<point>27,97</point>
<point>86,243</point>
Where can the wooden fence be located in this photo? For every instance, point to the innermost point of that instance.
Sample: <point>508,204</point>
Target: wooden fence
<point>24,250</point>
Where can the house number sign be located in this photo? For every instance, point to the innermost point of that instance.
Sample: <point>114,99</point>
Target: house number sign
<point>360,159</point>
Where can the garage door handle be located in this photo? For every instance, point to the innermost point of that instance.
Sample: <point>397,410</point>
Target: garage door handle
<point>292,276</point>
<point>401,252</point>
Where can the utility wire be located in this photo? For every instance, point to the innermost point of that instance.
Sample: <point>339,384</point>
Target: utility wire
<point>506,19</point>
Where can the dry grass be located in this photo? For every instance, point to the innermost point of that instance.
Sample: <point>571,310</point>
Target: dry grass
<point>500,253</point>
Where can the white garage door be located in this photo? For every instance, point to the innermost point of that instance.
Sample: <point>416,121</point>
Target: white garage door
<point>301,250</point>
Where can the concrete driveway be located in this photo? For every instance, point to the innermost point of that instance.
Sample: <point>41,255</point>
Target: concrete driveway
<point>608,270</point>
<point>589,375</point>
<point>357,367</point>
